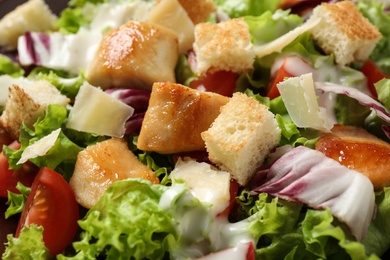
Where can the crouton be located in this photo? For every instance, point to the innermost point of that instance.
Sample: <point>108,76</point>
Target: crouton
<point>344,31</point>
<point>175,118</point>
<point>223,46</point>
<point>28,102</point>
<point>241,137</point>
<point>33,15</point>
<point>198,10</point>
<point>134,55</point>
<point>171,14</point>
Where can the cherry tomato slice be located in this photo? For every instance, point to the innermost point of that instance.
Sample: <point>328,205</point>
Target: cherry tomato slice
<point>282,73</point>
<point>233,194</point>
<point>9,178</point>
<point>51,204</point>
<point>373,75</point>
<point>221,82</point>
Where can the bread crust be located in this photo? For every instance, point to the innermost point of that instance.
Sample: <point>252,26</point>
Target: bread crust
<point>25,104</point>
<point>223,46</point>
<point>241,137</point>
<point>344,32</point>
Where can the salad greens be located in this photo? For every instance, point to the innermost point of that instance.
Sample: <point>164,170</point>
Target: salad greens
<point>136,219</point>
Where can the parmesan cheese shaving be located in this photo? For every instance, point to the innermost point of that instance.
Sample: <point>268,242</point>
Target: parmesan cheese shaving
<point>298,94</point>
<point>40,147</point>
<point>278,44</point>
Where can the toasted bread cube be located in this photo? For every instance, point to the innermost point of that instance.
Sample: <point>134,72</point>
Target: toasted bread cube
<point>33,15</point>
<point>28,102</point>
<point>223,46</point>
<point>241,137</point>
<point>344,31</point>
<point>134,55</point>
<point>100,165</point>
<point>175,118</point>
<point>198,10</point>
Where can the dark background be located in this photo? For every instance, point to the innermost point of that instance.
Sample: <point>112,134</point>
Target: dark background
<point>8,5</point>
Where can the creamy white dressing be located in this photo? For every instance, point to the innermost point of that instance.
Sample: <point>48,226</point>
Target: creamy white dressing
<point>238,252</point>
<point>323,71</point>
<point>207,184</point>
<point>201,232</point>
<point>74,52</point>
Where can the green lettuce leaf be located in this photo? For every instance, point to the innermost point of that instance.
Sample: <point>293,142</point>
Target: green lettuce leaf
<point>343,107</point>
<point>378,237</point>
<point>8,67</point>
<point>61,156</point>
<point>15,201</point>
<point>28,246</point>
<point>383,89</point>
<point>270,26</point>
<point>288,230</point>
<point>238,8</point>
<point>291,134</point>
<point>184,73</point>
<point>127,222</point>
<point>374,11</point>
<point>65,83</point>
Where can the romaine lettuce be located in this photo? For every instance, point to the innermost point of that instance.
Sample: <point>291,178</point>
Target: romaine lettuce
<point>29,245</point>
<point>374,11</point>
<point>15,201</point>
<point>238,8</point>
<point>61,157</point>
<point>8,67</point>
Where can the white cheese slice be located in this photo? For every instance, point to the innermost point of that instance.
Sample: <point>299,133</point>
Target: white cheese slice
<point>172,15</point>
<point>40,147</point>
<point>207,184</point>
<point>278,44</point>
<point>298,94</point>
<point>97,112</point>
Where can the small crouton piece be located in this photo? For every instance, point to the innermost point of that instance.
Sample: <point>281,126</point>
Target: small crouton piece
<point>171,14</point>
<point>100,165</point>
<point>198,10</point>
<point>223,46</point>
<point>175,118</point>
<point>28,102</point>
<point>344,31</point>
<point>33,15</point>
<point>134,55</point>
<point>241,137</point>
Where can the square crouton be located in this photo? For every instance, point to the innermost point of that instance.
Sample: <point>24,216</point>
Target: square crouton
<point>28,102</point>
<point>344,31</point>
<point>223,46</point>
<point>241,137</point>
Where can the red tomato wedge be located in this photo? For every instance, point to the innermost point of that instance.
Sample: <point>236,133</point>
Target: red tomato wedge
<point>233,194</point>
<point>221,82</point>
<point>51,204</point>
<point>373,75</point>
<point>9,178</point>
<point>282,73</point>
